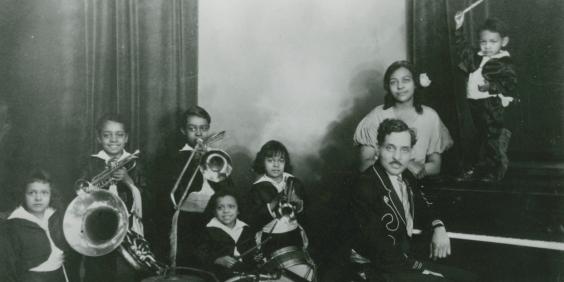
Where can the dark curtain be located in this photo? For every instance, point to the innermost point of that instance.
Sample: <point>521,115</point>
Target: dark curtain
<point>65,63</point>
<point>536,30</point>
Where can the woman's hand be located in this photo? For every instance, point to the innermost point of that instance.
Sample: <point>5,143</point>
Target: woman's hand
<point>459,19</point>
<point>368,156</point>
<point>226,261</point>
<point>417,169</point>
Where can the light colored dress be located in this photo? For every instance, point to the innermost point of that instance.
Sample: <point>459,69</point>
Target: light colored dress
<point>432,134</point>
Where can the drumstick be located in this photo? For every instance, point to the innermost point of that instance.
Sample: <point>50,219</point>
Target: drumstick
<point>241,256</point>
<point>472,6</point>
<point>259,244</point>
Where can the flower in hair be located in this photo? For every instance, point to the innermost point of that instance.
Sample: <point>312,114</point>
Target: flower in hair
<point>424,80</point>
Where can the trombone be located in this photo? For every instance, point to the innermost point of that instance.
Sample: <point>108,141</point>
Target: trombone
<point>215,165</point>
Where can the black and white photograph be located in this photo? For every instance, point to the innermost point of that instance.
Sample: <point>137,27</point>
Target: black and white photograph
<point>281,140</point>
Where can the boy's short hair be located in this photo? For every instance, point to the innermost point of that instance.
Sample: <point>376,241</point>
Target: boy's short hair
<point>390,125</point>
<point>212,204</point>
<point>195,111</point>
<point>115,117</point>
<point>270,149</point>
<point>494,25</point>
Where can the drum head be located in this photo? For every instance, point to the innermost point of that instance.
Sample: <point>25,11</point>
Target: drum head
<point>177,278</point>
<point>191,275</point>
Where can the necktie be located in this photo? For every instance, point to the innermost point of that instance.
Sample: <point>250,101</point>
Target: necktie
<point>405,202</point>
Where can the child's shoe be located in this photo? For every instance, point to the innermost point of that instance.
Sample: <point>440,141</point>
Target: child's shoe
<point>467,175</point>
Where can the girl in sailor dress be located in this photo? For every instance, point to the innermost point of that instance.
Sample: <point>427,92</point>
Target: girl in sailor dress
<point>35,234</point>
<point>276,200</point>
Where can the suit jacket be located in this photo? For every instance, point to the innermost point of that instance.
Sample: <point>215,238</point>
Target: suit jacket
<point>380,221</point>
<point>499,73</point>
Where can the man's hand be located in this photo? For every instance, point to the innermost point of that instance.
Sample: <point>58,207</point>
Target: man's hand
<point>226,261</point>
<point>459,19</point>
<point>440,244</point>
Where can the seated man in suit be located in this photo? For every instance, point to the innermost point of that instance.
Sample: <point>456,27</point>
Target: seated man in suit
<point>383,204</point>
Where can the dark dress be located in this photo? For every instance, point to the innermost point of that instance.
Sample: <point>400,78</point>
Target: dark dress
<point>30,247</point>
<point>258,215</point>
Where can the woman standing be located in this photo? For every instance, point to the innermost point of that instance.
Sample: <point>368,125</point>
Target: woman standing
<point>402,101</point>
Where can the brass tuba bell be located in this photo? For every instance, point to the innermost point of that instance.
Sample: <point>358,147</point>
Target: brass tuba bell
<point>95,223</point>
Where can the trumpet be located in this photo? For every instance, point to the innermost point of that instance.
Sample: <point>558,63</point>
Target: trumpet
<point>96,222</point>
<point>287,203</point>
<point>104,178</point>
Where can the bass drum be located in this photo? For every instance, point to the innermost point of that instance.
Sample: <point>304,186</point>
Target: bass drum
<point>295,261</point>
<point>283,276</point>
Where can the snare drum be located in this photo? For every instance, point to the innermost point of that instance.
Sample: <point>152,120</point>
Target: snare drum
<point>281,277</point>
<point>190,275</point>
<point>295,260</point>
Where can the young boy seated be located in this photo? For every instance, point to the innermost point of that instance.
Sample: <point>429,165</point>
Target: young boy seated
<point>227,242</point>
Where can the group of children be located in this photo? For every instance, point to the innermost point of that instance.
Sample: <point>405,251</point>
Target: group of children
<point>218,225</point>
<point>210,234</point>
<point>219,229</point>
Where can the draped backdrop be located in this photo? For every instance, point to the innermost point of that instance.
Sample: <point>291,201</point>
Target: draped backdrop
<point>65,63</point>
<point>536,45</point>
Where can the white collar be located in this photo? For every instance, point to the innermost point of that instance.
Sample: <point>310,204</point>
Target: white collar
<point>501,54</point>
<point>22,213</point>
<point>214,222</point>
<point>263,178</point>
<point>234,232</point>
<point>187,148</point>
<point>104,156</point>
<point>190,148</point>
